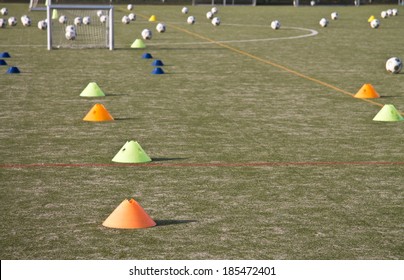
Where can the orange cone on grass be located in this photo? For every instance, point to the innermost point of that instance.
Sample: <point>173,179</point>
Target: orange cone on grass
<point>129,215</point>
<point>98,113</point>
<point>367,91</point>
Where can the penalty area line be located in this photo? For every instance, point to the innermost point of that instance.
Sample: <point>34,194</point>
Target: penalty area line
<point>206,164</point>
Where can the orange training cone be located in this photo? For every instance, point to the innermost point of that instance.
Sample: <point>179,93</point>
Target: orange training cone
<point>128,215</point>
<point>98,114</point>
<point>367,91</point>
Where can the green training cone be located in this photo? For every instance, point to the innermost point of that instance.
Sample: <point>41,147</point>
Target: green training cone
<point>131,152</point>
<point>55,14</point>
<point>388,113</point>
<point>92,90</point>
<point>138,44</point>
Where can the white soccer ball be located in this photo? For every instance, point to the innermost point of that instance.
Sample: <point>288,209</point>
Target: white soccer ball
<point>161,27</point>
<point>70,35</point>
<point>130,7</point>
<point>78,21</point>
<point>275,24</point>
<point>185,10</point>
<point>86,20</point>
<point>99,13</point>
<point>383,14</point>
<point>42,25</point>
<point>216,21</point>
<point>375,23</point>
<point>63,19</point>
<point>12,21</point>
<point>26,21</point>
<point>395,12</point>
<point>312,3</point>
<point>394,65</point>
<point>323,22</point>
<point>103,18</point>
<point>334,16</point>
<point>71,28</point>
<point>132,16</point>
<point>147,34</point>
<point>4,11</point>
<point>191,20</point>
<point>3,23</point>
<point>125,20</point>
<point>214,10</point>
<point>209,15</point>
<point>389,12</point>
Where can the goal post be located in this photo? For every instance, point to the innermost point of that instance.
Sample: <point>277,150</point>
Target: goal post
<point>95,34</point>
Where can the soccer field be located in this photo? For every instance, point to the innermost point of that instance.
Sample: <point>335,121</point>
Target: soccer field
<point>259,148</point>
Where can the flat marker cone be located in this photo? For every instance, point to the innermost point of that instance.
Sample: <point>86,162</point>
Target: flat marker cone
<point>138,44</point>
<point>98,113</point>
<point>13,70</point>
<point>367,91</point>
<point>371,18</point>
<point>147,56</point>
<point>388,113</point>
<point>157,71</point>
<point>157,62</point>
<point>131,152</point>
<point>129,215</point>
<point>5,54</point>
<point>153,18</point>
<point>55,14</point>
<point>92,90</point>
<point>3,62</point>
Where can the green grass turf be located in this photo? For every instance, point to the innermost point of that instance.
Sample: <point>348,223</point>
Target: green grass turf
<point>225,104</point>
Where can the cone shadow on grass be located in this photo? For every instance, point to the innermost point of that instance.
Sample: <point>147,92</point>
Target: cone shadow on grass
<point>161,223</point>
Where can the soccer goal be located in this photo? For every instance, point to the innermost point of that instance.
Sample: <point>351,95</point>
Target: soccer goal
<point>80,26</point>
<point>224,2</point>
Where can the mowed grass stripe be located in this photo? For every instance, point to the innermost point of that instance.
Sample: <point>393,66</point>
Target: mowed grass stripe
<point>269,62</point>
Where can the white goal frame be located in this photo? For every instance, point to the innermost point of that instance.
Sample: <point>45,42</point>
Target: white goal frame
<point>110,9</point>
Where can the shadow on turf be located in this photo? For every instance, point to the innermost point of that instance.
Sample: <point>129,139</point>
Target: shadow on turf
<point>173,222</point>
<point>167,159</point>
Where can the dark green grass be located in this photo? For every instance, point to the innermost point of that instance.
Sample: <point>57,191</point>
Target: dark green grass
<point>213,105</point>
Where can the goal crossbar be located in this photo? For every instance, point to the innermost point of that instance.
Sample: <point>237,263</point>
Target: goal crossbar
<point>110,9</point>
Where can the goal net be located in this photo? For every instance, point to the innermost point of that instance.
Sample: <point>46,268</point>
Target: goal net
<point>224,2</point>
<point>80,26</point>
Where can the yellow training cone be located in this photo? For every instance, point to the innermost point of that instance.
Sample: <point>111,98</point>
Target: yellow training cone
<point>153,18</point>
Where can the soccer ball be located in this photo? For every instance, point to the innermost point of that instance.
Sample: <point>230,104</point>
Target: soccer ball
<point>185,10</point>
<point>389,12</point>
<point>323,22</point>
<point>4,11</point>
<point>63,19</point>
<point>71,28</point>
<point>147,34</point>
<point>78,21</point>
<point>125,20</point>
<point>25,20</point>
<point>99,13</point>
<point>334,15</point>
<point>216,21</point>
<point>3,23</point>
<point>383,14</point>
<point>312,3</point>
<point>132,16</point>
<point>395,12</point>
<point>275,24</point>
<point>42,25</point>
<point>375,23</point>
<point>103,18</point>
<point>209,15</point>
<point>161,27</point>
<point>130,7</point>
<point>70,35</point>
<point>12,21</point>
<point>394,65</point>
<point>214,10</point>
<point>191,20</point>
<point>86,20</point>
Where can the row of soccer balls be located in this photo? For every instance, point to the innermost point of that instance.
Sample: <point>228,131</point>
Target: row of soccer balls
<point>12,21</point>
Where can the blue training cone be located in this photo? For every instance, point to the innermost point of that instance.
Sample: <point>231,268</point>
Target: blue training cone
<point>3,62</point>
<point>13,70</point>
<point>147,56</point>
<point>157,62</point>
<point>157,71</point>
<point>5,54</point>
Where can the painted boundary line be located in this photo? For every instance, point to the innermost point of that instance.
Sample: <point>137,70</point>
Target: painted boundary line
<point>269,62</point>
<point>207,164</point>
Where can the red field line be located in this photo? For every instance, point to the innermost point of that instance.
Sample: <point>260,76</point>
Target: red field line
<point>206,164</point>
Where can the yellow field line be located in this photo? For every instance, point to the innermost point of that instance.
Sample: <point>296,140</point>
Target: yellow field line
<point>266,61</point>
